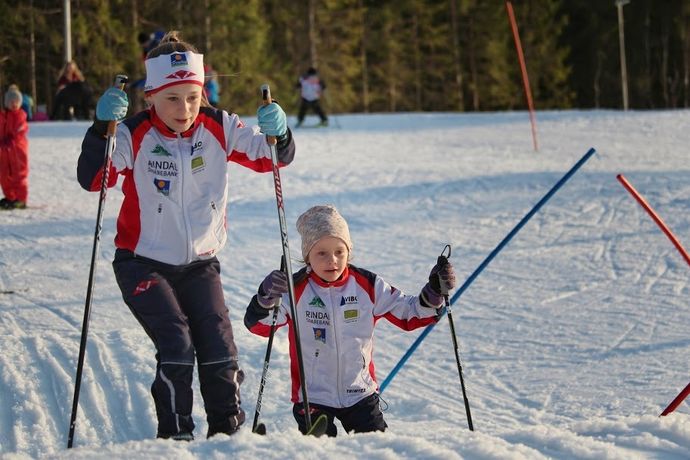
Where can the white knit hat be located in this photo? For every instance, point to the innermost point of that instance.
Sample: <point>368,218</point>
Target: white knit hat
<point>173,69</point>
<point>320,221</point>
<point>12,95</point>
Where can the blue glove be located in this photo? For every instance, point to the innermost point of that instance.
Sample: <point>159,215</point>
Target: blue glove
<point>272,120</point>
<point>272,288</point>
<point>112,105</point>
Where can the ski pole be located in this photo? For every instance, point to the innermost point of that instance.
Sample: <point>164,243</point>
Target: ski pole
<point>120,82</point>
<point>267,357</point>
<point>266,96</point>
<point>486,262</point>
<point>441,259</point>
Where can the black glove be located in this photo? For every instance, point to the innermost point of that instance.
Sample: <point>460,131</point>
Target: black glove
<point>272,288</point>
<point>441,281</point>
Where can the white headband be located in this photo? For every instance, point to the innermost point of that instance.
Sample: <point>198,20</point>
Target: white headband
<point>173,69</point>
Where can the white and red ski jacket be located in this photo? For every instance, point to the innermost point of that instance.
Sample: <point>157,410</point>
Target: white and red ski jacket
<point>336,322</point>
<point>175,184</point>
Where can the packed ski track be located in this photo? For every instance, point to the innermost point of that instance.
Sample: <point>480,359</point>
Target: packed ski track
<point>572,340</point>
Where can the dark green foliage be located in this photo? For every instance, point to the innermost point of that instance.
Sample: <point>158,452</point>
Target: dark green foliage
<point>375,55</point>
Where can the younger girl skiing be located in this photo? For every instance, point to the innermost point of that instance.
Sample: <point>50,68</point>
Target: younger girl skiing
<point>172,224</point>
<point>337,307</point>
<point>14,152</point>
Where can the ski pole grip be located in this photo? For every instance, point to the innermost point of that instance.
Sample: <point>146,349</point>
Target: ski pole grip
<point>283,268</point>
<point>267,99</point>
<point>442,261</point>
<point>120,82</point>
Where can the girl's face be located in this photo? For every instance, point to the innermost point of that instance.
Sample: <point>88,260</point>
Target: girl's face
<point>14,105</point>
<point>177,106</point>
<point>328,258</point>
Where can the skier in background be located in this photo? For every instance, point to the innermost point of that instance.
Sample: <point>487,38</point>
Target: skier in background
<point>338,305</point>
<point>311,87</point>
<point>211,86</point>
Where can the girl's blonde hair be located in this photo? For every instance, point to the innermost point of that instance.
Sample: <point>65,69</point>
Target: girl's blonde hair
<point>73,68</point>
<point>172,43</point>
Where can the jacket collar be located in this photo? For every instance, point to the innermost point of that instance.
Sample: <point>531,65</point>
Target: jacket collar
<point>167,132</point>
<point>337,283</point>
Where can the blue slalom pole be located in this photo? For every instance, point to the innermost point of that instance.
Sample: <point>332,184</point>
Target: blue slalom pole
<point>486,262</point>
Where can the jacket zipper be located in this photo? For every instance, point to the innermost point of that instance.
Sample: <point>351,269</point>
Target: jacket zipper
<point>182,203</point>
<point>335,341</point>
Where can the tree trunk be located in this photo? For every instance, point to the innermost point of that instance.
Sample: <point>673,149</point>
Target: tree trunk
<point>686,59</point>
<point>417,62</point>
<point>456,55</point>
<point>363,57</point>
<point>32,40</point>
<point>473,67</point>
<point>207,26</point>
<point>313,57</point>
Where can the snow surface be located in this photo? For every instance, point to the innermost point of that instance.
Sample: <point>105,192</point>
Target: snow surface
<point>572,340</point>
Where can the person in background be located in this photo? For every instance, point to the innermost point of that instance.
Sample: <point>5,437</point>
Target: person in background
<point>337,306</point>
<point>212,87</point>
<point>311,88</point>
<point>14,152</point>
<point>28,106</point>
<point>70,74</point>
<point>73,100</point>
<point>172,225</point>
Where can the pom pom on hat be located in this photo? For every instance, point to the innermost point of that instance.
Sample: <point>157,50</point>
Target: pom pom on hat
<point>320,221</point>
<point>12,95</point>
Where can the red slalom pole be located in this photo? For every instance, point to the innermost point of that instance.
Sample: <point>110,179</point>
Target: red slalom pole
<point>686,391</point>
<point>676,402</point>
<point>523,69</point>
<point>654,217</point>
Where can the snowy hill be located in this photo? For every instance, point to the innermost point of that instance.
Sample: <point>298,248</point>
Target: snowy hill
<point>572,340</point>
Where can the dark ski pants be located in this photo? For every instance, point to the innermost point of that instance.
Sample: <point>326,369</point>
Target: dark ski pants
<point>183,312</point>
<point>315,106</point>
<point>363,417</point>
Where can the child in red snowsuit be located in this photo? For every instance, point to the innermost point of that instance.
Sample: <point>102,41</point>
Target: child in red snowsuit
<point>14,152</point>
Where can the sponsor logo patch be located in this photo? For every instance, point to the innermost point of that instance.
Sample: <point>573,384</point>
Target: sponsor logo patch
<point>162,185</point>
<point>350,316</point>
<point>317,302</point>
<point>160,151</point>
<point>144,286</point>
<point>197,147</point>
<point>178,59</point>
<point>320,334</point>
<point>317,317</point>
<point>162,168</point>
<point>180,75</point>
<point>348,299</point>
<point>197,164</point>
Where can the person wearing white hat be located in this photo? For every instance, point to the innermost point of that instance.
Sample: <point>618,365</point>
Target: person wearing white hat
<point>337,307</point>
<point>14,152</point>
<point>172,224</point>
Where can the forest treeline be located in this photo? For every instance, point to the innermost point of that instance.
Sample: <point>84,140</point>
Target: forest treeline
<point>375,55</point>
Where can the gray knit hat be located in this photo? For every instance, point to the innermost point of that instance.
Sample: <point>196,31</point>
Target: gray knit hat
<point>320,221</point>
<point>12,95</point>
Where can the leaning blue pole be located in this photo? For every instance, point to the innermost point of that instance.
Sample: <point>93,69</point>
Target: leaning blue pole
<point>486,262</point>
